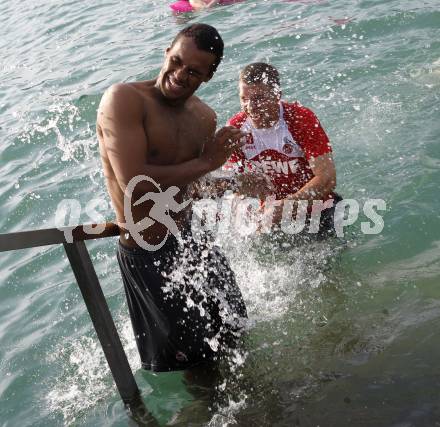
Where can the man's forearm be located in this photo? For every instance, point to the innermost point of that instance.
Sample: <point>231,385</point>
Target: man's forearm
<point>200,4</point>
<point>179,175</point>
<point>209,187</point>
<point>240,184</point>
<point>317,188</point>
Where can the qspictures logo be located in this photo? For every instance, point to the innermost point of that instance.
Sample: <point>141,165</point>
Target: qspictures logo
<point>222,216</point>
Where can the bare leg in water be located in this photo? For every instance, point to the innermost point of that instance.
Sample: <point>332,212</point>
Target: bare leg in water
<point>201,382</point>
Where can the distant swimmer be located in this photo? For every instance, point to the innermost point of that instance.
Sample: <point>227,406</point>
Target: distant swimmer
<point>203,4</point>
<point>183,298</point>
<point>287,144</point>
<point>184,6</point>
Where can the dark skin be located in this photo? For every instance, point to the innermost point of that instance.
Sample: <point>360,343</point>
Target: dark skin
<point>158,128</point>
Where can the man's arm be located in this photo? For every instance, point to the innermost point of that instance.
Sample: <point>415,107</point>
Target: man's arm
<point>201,4</point>
<point>257,184</point>
<point>120,118</point>
<point>322,184</point>
<point>318,188</point>
<point>318,152</point>
<point>212,3</point>
<point>249,184</point>
<point>207,187</point>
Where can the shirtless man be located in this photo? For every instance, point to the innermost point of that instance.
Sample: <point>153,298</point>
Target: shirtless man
<point>183,299</point>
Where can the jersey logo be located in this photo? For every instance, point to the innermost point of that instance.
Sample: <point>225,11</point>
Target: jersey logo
<point>288,146</point>
<point>273,166</point>
<point>249,141</point>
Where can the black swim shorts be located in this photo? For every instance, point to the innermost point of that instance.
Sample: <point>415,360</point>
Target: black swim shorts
<point>327,219</point>
<point>184,303</point>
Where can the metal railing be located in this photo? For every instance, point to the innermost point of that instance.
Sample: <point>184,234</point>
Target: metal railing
<point>95,301</point>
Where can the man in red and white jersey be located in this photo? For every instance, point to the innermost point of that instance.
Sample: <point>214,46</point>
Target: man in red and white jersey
<point>285,142</point>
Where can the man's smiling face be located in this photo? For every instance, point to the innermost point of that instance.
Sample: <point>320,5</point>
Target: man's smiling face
<point>260,102</point>
<point>185,68</point>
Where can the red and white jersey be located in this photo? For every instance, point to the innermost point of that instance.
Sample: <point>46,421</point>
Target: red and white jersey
<point>283,151</point>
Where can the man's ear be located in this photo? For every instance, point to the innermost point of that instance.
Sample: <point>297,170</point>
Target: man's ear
<point>167,50</point>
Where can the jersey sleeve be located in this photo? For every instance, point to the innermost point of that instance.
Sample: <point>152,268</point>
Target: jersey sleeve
<point>310,134</point>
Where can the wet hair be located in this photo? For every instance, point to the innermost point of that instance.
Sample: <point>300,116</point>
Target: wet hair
<point>260,72</point>
<point>206,38</point>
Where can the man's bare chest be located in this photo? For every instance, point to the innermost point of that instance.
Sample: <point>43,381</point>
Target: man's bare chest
<point>173,139</point>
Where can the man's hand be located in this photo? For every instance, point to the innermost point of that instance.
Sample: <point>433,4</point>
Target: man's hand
<point>225,142</point>
<point>322,184</point>
<point>255,184</point>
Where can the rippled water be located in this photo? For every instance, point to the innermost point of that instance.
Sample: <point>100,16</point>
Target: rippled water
<point>343,332</point>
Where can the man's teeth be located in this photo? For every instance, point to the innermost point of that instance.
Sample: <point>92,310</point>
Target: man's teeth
<point>174,83</point>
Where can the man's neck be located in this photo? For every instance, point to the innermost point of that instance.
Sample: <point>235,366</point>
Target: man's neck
<point>175,103</point>
<point>266,124</point>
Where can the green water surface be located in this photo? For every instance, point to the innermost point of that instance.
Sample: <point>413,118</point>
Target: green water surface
<point>342,333</point>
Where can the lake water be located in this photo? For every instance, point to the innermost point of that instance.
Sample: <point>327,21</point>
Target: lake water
<point>342,333</point>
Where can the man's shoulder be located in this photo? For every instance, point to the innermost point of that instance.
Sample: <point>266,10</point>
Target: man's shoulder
<point>295,110</point>
<point>200,106</point>
<point>120,91</point>
<point>202,110</point>
<point>122,98</point>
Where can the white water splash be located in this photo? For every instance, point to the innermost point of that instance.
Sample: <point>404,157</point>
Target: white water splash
<point>75,139</point>
<point>86,377</point>
<point>225,416</point>
<point>270,287</point>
